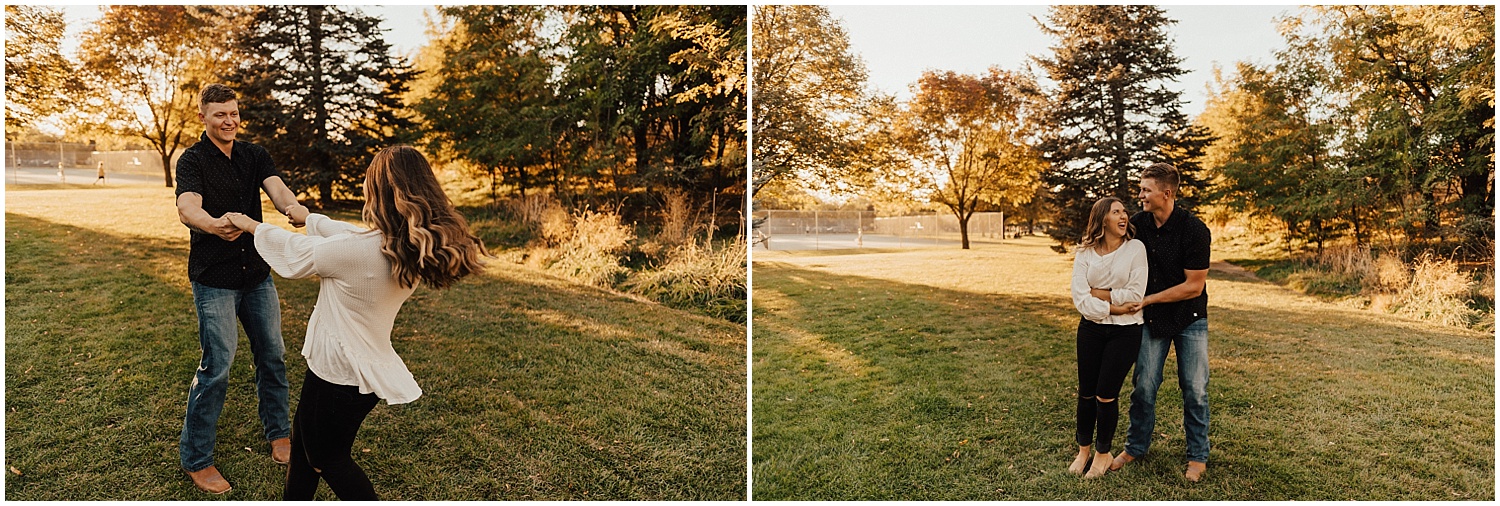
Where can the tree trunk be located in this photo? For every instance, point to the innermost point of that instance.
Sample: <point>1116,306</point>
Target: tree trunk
<point>325,193</point>
<point>963,228</point>
<point>319,101</point>
<point>166,167</point>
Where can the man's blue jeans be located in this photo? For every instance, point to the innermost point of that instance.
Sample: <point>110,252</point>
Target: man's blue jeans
<point>1192,377</point>
<point>259,311</point>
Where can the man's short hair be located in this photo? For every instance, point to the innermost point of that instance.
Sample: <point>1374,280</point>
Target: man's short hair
<point>215,94</point>
<point>1164,174</point>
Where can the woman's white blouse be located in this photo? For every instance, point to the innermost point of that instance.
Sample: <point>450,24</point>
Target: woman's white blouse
<point>1123,271</point>
<point>349,335</point>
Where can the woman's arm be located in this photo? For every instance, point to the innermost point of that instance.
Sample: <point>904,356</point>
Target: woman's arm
<point>1088,305</point>
<point>323,226</point>
<point>1134,290</point>
<point>290,255</point>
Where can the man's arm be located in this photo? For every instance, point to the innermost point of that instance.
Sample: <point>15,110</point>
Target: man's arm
<point>190,212</point>
<point>285,201</point>
<point>1193,287</point>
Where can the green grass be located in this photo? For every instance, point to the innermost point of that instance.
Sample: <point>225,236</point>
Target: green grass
<point>942,374</point>
<point>535,388</point>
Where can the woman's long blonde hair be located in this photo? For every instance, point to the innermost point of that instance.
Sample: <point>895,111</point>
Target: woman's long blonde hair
<point>425,237</point>
<point>1093,232</point>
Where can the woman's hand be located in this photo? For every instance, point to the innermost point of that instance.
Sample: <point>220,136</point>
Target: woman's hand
<point>242,222</point>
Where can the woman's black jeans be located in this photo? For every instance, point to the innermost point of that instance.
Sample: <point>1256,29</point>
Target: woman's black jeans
<point>1105,354</point>
<point>328,417</point>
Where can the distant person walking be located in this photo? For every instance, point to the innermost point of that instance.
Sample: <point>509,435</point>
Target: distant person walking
<point>100,179</point>
<point>366,275</point>
<point>1176,313</point>
<point>1109,281</point>
<point>215,177</point>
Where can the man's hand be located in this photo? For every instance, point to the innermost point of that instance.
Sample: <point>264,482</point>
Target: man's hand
<point>297,214</point>
<point>224,228</point>
<point>1100,293</point>
<point>242,222</point>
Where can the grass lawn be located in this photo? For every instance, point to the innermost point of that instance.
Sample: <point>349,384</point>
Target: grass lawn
<point>950,374</point>
<point>535,388</point>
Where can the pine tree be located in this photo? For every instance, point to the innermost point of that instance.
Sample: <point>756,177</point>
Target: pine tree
<point>1112,114</point>
<point>322,93</point>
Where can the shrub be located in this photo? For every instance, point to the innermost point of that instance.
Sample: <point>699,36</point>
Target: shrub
<point>1390,275</point>
<point>678,220</point>
<point>698,277</point>
<point>591,251</point>
<point>1350,261</point>
<point>1439,292</point>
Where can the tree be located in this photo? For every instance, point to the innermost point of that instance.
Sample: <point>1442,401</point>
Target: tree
<point>808,94</point>
<point>1111,113</point>
<point>39,81</point>
<point>1421,86</point>
<point>322,94</point>
<point>613,105</point>
<point>1273,154</point>
<point>149,62</point>
<point>967,130</point>
<point>492,103</point>
<point>1375,118</point>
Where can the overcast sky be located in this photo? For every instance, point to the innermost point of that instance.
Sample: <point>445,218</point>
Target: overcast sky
<point>898,42</point>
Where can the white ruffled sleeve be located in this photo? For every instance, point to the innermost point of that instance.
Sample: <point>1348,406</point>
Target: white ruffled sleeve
<point>1135,285</point>
<point>322,226</point>
<point>290,255</point>
<point>1090,306</point>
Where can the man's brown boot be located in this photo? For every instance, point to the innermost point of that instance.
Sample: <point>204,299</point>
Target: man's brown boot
<point>1195,470</point>
<point>209,480</point>
<point>1120,461</point>
<point>281,450</point>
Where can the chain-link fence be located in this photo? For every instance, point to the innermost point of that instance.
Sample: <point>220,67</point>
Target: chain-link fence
<point>801,230</point>
<point>48,154</point>
<point>79,155</point>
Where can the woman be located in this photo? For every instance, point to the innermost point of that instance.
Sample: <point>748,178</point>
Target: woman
<point>1109,280</point>
<point>365,277</point>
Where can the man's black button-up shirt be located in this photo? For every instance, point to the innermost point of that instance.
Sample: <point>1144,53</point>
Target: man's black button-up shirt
<point>1179,244</point>
<point>227,184</point>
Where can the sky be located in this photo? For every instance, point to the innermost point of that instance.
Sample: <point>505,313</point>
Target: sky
<point>898,42</point>
<point>405,25</point>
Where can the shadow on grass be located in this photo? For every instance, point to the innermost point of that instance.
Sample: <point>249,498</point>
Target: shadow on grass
<point>534,388</point>
<point>874,389</point>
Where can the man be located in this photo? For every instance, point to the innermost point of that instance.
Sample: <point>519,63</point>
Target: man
<point>218,175</point>
<point>1176,311</point>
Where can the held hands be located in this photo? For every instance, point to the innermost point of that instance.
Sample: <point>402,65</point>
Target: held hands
<point>224,228</point>
<point>297,214</point>
<point>241,222</point>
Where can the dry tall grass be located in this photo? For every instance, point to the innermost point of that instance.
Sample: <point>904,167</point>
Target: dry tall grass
<point>699,276</point>
<point>680,270</point>
<point>1439,292</point>
<point>591,245</point>
<point>1428,288</point>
